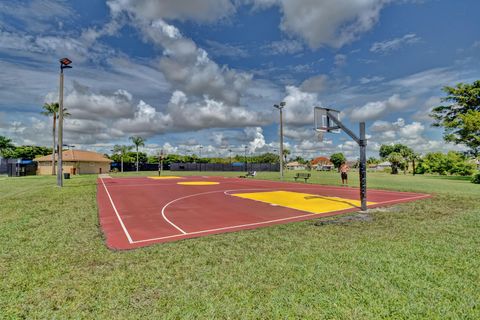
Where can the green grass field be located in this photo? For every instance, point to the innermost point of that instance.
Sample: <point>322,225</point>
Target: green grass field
<point>415,260</point>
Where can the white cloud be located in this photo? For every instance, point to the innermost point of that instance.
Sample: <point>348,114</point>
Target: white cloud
<point>376,109</point>
<point>283,47</point>
<point>37,15</point>
<point>423,113</point>
<point>315,84</point>
<point>299,106</point>
<point>257,139</point>
<point>200,11</point>
<point>367,80</point>
<point>394,44</point>
<point>82,103</point>
<point>226,50</point>
<point>329,22</point>
<point>189,68</point>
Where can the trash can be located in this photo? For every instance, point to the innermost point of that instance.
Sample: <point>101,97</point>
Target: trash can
<point>66,175</point>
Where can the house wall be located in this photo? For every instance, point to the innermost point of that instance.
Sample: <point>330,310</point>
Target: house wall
<point>45,168</point>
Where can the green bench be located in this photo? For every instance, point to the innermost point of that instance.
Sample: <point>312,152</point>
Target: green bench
<point>301,175</point>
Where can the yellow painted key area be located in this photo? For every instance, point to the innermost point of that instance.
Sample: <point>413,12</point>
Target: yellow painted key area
<point>198,183</point>
<point>302,201</point>
<point>164,177</point>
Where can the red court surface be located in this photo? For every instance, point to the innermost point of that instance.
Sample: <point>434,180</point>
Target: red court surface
<point>137,212</point>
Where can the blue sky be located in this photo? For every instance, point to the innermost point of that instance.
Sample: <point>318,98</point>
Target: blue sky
<point>191,74</point>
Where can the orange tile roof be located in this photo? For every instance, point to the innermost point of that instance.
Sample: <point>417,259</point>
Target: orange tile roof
<point>321,160</point>
<point>77,155</point>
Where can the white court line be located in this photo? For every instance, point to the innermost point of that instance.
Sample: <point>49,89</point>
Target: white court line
<point>402,200</point>
<point>118,215</point>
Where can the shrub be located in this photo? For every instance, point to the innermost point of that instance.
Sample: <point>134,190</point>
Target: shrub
<point>476,178</point>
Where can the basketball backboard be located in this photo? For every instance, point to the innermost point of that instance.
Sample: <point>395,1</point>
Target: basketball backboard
<point>323,123</point>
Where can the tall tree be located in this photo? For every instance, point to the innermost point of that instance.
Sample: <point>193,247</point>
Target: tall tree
<point>51,109</point>
<point>122,150</point>
<point>286,153</point>
<point>461,117</point>
<point>5,145</point>
<point>138,142</point>
<point>396,159</point>
<point>337,159</point>
<point>399,150</point>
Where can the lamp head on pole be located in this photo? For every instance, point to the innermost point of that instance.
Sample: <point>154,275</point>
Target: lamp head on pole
<point>64,63</point>
<point>279,107</point>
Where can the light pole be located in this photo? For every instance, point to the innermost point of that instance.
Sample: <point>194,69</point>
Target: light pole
<point>246,165</point>
<point>160,163</point>
<point>64,64</point>
<point>280,107</point>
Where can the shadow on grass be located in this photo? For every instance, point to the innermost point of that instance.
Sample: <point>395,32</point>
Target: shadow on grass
<point>456,178</point>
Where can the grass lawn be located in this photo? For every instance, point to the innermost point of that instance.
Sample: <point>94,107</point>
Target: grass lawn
<point>415,260</point>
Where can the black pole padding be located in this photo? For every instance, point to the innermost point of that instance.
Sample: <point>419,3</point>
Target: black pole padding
<point>363,167</point>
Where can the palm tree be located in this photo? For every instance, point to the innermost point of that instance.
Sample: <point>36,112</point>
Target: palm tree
<point>122,150</point>
<point>138,142</point>
<point>396,160</point>
<point>5,145</point>
<point>286,153</point>
<point>51,109</point>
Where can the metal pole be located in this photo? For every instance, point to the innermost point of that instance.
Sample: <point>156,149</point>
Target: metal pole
<point>60,133</point>
<point>363,167</point>
<point>246,165</point>
<point>281,144</point>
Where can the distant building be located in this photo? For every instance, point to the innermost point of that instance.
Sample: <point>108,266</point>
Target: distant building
<point>75,162</point>
<point>381,166</point>
<point>295,165</point>
<point>322,163</point>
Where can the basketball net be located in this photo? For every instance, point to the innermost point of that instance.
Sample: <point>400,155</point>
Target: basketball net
<point>320,135</point>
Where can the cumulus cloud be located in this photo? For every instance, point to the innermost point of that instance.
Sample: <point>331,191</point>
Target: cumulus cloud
<point>411,134</point>
<point>330,22</point>
<point>210,113</point>
<point>82,103</point>
<point>200,11</point>
<point>188,67</point>
<point>394,44</point>
<point>299,106</point>
<point>257,139</point>
<point>377,109</point>
<point>315,84</point>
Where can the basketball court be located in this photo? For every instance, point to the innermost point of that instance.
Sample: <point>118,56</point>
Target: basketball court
<point>137,212</point>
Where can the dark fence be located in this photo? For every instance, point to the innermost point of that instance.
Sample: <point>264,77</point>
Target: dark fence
<point>3,166</point>
<point>240,167</point>
<point>224,167</point>
<point>133,166</point>
<point>20,168</point>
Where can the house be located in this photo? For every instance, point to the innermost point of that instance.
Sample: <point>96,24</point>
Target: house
<point>295,165</point>
<point>322,163</point>
<point>381,166</point>
<point>75,162</point>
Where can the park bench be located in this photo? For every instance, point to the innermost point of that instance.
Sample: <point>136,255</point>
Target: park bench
<point>302,175</point>
<point>249,174</point>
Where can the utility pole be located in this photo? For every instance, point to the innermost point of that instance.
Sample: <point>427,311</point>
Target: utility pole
<point>64,64</point>
<point>280,107</point>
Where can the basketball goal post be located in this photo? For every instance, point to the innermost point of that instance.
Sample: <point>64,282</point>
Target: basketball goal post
<point>328,120</point>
